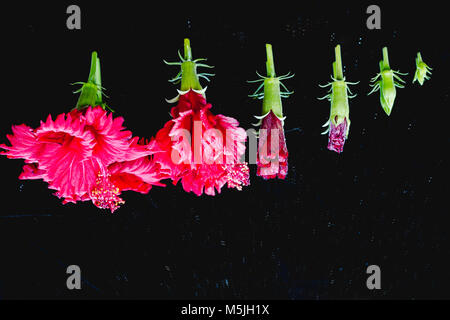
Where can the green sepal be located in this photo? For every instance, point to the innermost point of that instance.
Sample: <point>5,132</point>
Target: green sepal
<point>188,77</point>
<point>91,92</point>
<point>272,84</point>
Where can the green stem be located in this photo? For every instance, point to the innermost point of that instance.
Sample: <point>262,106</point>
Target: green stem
<point>270,66</point>
<point>93,70</point>
<point>187,50</point>
<point>98,82</point>
<point>337,65</point>
<point>385,58</point>
<point>272,98</point>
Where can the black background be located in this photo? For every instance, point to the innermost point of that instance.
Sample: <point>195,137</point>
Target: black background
<point>382,201</point>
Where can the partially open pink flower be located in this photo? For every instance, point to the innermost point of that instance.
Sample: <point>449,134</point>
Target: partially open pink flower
<point>272,158</point>
<point>201,149</point>
<point>338,124</point>
<point>337,136</point>
<point>81,155</point>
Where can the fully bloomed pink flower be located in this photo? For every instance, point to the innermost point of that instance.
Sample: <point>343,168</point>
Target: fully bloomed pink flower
<point>84,155</point>
<point>213,158</point>
<point>337,136</point>
<point>272,160</point>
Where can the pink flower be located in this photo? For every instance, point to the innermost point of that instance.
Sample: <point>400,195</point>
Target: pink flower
<point>138,175</point>
<point>84,155</point>
<point>213,158</point>
<point>337,136</point>
<point>272,157</point>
